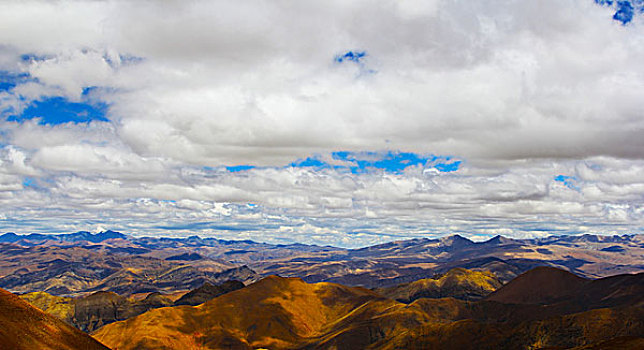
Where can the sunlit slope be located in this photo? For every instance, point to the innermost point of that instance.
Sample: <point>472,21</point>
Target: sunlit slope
<point>458,283</point>
<point>274,313</point>
<point>286,313</point>
<point>24,327</point>
<point>92,311</point>
<point>61,307</point>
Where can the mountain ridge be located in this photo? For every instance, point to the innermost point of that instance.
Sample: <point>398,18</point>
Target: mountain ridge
<point>10,237</point>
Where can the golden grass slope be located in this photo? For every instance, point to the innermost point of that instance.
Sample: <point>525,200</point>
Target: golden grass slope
<point>459,283</point>
<point>24,327</point>
<point>272,313</point>
<point>61,307</point>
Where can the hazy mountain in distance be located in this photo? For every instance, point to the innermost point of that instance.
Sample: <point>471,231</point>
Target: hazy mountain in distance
<point>80,236</point>
<point>392,263</point>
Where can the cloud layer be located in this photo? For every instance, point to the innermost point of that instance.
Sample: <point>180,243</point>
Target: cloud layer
<point>520,92</point>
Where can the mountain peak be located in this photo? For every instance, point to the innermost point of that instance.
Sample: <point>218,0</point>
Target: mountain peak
<point>109,234</point>
<point>499,240</point>
<point>9,237</point>
<point>455,240</point>
<point>458,283</point>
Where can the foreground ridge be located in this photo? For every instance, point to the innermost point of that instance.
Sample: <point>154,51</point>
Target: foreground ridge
<point>23,327</point>
<point>287,313</point>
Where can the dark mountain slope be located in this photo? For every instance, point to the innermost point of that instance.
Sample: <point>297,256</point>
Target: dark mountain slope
<point>540,285</point>
<point>208,291</point>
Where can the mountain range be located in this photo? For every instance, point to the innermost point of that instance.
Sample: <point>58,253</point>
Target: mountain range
<point>73,270</point>
<point>578,292</point>
<point>79,263</point>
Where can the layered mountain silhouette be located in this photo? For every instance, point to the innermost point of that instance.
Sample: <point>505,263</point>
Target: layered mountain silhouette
<point>80,236</point>
<point>392,263</point>
<point>72,264</point>
<point>288,313</point>
<point>24,327</point>
<point>75,270</point>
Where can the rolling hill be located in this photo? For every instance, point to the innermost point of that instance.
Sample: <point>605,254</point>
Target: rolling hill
<point>457,283</point>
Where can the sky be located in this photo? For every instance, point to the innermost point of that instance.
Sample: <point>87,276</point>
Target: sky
<point>346,123</point>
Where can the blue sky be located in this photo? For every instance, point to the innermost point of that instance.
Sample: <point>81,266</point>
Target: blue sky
<point>340,124</point>
<point>394,162</point>
<point>624,10</point>
<point>58,110</point>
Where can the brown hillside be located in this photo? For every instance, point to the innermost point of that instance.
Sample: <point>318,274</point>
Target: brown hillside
<point>22,326</point>
<point>274,312</point>
<point>541,285</point>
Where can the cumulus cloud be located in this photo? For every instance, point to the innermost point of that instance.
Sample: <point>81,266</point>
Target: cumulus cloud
<point>520,92</point>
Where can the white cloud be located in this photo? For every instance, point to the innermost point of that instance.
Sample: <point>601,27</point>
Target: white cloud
<point>522,91</point>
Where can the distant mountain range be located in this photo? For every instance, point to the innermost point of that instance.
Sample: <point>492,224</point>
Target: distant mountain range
<point>81,236</point>
<point>73,270</point>
<point>81,262</point>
